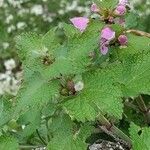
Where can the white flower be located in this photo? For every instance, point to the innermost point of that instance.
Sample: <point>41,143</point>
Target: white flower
<point>21,25</point>
<point>11,28</point>
<point>1,3</point>
<point>9,18</point>
<point>5,45</point>
<point>79,86</point>
<point>10,64</point>
<point>37,10</point>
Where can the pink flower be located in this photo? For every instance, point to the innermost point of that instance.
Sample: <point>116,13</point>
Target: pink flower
<point>123,40</point>
<point>120,21</point>
<point>123,2</point>
<point>111,19</point>
<point>120,10</point>
<point>107,35</point>
<point>94,8</point>
<point>80,23</point>
<point>104,49</point>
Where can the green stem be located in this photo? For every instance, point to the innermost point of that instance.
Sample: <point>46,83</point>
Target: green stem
<point>116,131</point>
<point>143,108</point>
<point>48,137</point>
<point>42,140</point>
<point>29,147</point>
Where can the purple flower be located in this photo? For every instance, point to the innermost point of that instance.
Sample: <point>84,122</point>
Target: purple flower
<point>123,2</point>
<point>120,10</point>
<point>107,35</point>
<point>104,50</point>
<point>94,8</point>
<point>80,23</point>
<point>123,40</point>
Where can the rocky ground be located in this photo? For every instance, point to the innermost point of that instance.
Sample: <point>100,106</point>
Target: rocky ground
<point>107,145</point>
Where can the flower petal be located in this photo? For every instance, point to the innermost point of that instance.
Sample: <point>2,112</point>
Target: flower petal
<point>104,50</point>
<point>108,34</point>
<point>123,2</point>
<point>94,8</point>
<point>80,22</point>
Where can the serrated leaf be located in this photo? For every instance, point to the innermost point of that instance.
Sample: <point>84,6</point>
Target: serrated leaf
<point>36,92</point>
<point>99,92</point>
<point>136,45</point>
<point>131,20</point>
<point>8,143</point>
<point>69,30</point>
<point>31,119</point>
<point>140,137</point>
<point>135,77</point>
<point>42,56</point>
<point>63,131</point>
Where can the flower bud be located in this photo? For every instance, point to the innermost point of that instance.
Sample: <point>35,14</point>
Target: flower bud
<point>94,8</point>
<point>79,86</point>
<point>120,10</point>
<point>104,49</point>
<point>123,40</point>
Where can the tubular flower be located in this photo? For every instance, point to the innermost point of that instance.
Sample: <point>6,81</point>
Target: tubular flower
<point>107,35</point>
<point>94,8</point>
<point>123,2</point>
<point>120,10</point>
<point>80,23</point>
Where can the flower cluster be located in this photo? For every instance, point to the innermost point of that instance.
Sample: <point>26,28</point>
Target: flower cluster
<point>107,34</point>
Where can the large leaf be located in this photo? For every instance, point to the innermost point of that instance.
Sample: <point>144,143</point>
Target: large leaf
<point>8,143</point>
<point>62,128</point>
<point>140,137</point>
<point>35,93</point>
<point>99,92</point>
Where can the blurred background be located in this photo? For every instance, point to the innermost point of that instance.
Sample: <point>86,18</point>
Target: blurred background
<point>17,16</point>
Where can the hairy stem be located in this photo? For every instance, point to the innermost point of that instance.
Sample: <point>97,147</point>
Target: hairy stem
<point>112,128</point>
<point>30,147</point>
<point>138,32</point>
<point>143,108</point>
<point>48,137</point>
<point>42,140</point>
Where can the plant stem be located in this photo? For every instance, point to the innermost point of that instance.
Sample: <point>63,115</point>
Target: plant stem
<point>143,108</point>
<point>48,137</point>
<point>138,32</point>
<point>132,106</point>
<point>30,147</point>
<point>42,140</point>
<point>116,131</point>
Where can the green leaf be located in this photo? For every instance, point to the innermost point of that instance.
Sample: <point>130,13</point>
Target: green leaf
<point>70,31</point>
<point>43,55</point>
<point>134,78</point>
<point>8,143</point>
<point>137,45</point>
<point>132,20</point>
<point>99,92</point>
<point>32,120</point>
<point>109,4</point>
<point>35,93</point>
<point>140,137</point>
<point>62,128</point>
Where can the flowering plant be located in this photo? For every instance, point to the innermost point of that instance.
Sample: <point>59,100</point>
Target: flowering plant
<point>94,81</point>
